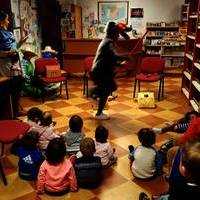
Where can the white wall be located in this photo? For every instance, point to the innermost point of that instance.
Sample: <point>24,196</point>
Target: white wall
<point>154,10</point>
<point>159,10</point>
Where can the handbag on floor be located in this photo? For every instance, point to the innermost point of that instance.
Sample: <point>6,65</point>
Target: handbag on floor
<point>146,100</point>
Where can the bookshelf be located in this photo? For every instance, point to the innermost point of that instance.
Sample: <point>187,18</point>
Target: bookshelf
<point>172,50</point>
<point>191,69</point>
<point>184,14</point>
<point>156,32</point>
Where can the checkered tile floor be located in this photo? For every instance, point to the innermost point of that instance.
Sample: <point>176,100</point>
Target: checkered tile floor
<point>126,120</point>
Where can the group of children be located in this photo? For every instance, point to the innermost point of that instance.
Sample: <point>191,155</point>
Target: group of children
<point>60,162</point>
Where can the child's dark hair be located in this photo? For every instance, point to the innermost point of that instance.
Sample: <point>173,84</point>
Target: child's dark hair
<point>34,114</point>
<point>147,137</point>
<point>191,160</point>
<point>56,151</point>
<point>188,114</point>
<point>46,119</point>
<point>101,134</point>
<point>3,15</point>
<point>87,147</point>
<point>30,140</point>
<point>75,123</point>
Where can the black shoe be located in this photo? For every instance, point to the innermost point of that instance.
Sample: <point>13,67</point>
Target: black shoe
<point>131,148</point>
<point>143,196</point>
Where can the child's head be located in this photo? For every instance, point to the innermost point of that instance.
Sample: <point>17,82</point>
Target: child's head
<point>191,116</point>
<point>147,137</point>
<point>56,151</point>
<point>30,140</point>
<point>34,114</point>
<point>46,119</point>
<point>75,123</point>
<point>101,134</point>
<point>87,147</point>
<point>191,161</point>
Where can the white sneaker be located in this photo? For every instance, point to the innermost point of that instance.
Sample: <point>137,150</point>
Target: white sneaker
<point>102,116</point>
<point>157,130</point>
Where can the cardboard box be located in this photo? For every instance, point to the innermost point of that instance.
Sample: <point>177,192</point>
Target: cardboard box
<point>53,71</point>
<point>146,100</point>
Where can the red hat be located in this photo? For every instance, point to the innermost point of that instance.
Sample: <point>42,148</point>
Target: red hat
<point>123,27</point>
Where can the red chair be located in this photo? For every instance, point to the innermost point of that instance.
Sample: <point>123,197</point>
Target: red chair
<point>151,70</point>
<point>40,70</point>
<point>10,130</point>
<point>87,68</point>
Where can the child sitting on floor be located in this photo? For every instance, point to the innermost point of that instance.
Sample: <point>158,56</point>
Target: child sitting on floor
<point>30,157</point>
<point>74,135</point>
<point>145,161</point>
<point>103,148</point>
<point>180,126</point>
<point>46,130</point>
<point>34,116</point>
<point>88,167</point>
<point>56,175</point>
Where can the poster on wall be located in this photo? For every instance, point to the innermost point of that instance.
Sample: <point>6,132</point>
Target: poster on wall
<point>116,11</point>
<point>137,21</point>
<point>137,12</point>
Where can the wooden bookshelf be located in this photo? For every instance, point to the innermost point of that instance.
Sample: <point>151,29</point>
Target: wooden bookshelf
<point>191,69</point>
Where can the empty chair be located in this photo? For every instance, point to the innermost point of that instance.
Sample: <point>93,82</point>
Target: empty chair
<point>151,70</point>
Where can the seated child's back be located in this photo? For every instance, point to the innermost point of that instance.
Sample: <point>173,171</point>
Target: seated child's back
<point>46,130</point>
<point>56,175</point>
<point>88,167</point>
<point>74,136</point>
<point>145,156</point>
<point>30,157</point>
<point>103,148</point>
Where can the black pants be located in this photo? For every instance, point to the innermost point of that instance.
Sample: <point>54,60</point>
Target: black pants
<point>102,90</point>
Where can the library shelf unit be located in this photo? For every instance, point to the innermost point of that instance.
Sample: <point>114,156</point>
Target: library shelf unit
<point>184,14</point>
<point>191,69</point>
<point>156,32</point>
<point>172,50</point>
